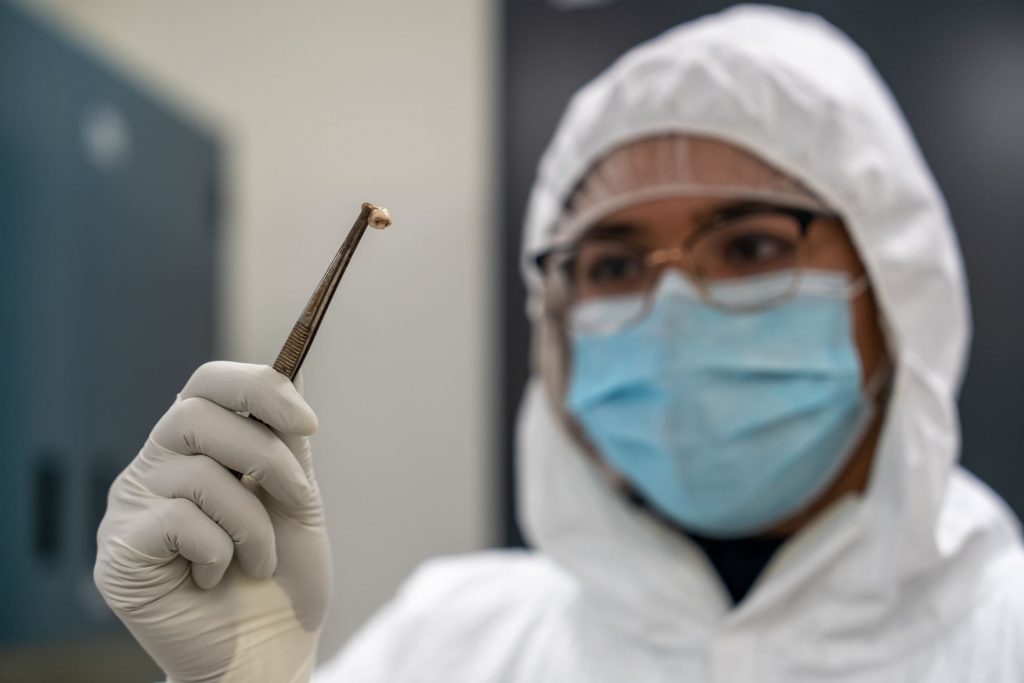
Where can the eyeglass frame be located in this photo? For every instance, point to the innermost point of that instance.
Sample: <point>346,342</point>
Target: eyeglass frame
<point>803,216</point>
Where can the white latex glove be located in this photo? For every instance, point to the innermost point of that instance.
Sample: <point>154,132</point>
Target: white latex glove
<point>220,578</point>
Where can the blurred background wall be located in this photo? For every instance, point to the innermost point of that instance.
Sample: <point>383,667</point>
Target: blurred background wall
<point>316,106</point>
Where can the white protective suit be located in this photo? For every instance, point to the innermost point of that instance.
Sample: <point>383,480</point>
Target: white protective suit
<point>919,579</point>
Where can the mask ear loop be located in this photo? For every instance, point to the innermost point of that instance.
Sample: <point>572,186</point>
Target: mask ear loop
<point>551,345</point>
<point>858,287</point>
<point>877,385</point>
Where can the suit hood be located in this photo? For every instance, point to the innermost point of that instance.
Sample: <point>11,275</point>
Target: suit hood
<point>797,93</point>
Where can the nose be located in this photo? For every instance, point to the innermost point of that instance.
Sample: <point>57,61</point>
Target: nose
<point>670,257</point>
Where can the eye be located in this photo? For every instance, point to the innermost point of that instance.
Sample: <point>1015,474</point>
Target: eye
<point>612,268</point>
<point>608,268</point>
<point>757,249</point>
<point>749,245</point>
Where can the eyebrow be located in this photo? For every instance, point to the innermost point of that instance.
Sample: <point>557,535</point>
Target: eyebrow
<point>613,230</point>
<point>732,209</point>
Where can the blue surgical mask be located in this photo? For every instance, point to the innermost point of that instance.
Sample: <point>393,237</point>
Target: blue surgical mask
<point>727,423</point>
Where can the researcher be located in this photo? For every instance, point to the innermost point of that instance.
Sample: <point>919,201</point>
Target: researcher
<point>738,448</point>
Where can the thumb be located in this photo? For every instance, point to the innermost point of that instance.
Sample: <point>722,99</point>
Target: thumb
<point>300,448</point>
<point>256,389</point>
<point>298,383</point>
<point>299,444</point>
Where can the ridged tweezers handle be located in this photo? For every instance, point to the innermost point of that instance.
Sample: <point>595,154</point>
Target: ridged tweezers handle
<point>295,348</point>
<point>291,355</point>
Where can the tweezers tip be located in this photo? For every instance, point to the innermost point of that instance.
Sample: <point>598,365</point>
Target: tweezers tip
<point>379,217</point>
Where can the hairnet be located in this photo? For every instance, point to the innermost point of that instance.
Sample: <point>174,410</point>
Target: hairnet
<point>676,165</point>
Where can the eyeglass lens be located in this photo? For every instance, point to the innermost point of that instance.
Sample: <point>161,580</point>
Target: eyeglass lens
<point>765,247</point>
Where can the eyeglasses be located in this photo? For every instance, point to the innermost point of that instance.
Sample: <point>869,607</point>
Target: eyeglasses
<point>747,258</point>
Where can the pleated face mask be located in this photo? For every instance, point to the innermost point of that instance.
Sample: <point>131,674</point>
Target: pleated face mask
<point>726,422</point>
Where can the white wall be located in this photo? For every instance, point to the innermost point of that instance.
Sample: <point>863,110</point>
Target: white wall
<point>323,105</point>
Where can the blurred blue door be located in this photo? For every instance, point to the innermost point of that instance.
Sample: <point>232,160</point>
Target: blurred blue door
<point>108,215</point>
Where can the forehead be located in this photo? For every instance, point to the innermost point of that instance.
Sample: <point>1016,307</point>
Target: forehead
<point>676,210</point>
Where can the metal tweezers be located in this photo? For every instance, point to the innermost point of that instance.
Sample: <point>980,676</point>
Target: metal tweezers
<point>295,348</point>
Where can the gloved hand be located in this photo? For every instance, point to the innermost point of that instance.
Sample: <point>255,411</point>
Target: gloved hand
<point>221,578</point>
